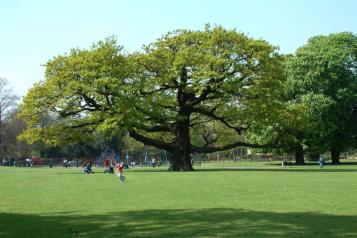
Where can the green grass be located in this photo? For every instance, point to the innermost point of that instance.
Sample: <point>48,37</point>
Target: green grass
<point>244,199</point>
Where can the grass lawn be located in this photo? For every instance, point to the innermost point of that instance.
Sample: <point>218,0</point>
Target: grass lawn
<point>218,200</point>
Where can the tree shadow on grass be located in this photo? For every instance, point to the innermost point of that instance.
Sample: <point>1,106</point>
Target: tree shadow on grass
<point>179,223</point>
<point>286,170</point>
<point>313,163</point>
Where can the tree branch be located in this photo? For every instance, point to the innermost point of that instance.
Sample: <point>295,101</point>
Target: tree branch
<point>157,128</point>
<point>150,141</point>
<point>202,111</point>
<point>86,124</point>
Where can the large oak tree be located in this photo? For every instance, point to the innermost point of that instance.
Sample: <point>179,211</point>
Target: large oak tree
<point>190,91</point>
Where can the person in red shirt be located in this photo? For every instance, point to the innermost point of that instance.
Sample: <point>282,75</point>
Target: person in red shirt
<point>119,167</point>
<point>108,167</point>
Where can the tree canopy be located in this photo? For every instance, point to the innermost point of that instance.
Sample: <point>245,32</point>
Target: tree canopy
<point>190,91</point>
<point>326,68</point>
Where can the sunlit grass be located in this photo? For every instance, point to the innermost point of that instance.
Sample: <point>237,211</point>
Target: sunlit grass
<point>246,199</point>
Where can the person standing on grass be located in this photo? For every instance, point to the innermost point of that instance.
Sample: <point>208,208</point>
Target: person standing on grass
<point>119,167</point>
<point>321,162</point>
<point>106,166</point>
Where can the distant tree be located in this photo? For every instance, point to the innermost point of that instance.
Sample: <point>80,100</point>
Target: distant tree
<point>11,128</point>
<point>210,84</point>
<point>327,66</point>
<point>8,101</point>
<point>293,132</point>
<point>297,128</point>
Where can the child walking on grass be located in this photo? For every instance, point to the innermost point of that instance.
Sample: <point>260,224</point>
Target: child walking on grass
<point>119,167</point>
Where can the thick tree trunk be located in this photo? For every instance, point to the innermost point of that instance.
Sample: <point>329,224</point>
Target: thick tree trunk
<point>180,150</point>
<point>335,156</point>
<point>299,155</point>
<point>181,160</point>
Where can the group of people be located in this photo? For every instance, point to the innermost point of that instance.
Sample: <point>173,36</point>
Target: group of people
<point>119,167</point>
<point>321,162</point>
<point>5,162</point>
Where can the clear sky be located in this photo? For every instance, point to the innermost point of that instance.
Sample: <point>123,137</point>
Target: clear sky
<point>33,31</point>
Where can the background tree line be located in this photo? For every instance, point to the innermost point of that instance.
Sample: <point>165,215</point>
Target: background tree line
<point>200,92</point>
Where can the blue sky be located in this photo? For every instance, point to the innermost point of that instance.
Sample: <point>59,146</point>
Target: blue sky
<point>32,32</point>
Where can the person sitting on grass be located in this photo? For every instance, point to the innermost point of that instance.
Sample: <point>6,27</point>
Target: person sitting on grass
<point>88,168</point>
